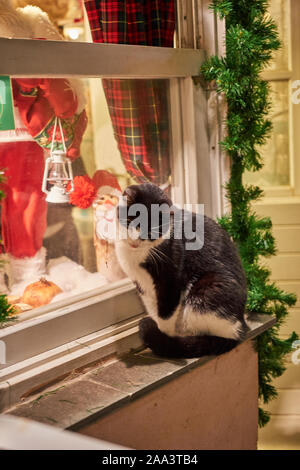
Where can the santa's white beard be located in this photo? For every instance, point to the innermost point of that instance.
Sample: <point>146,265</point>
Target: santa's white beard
<point>106,227</point>
<point>106,230</point>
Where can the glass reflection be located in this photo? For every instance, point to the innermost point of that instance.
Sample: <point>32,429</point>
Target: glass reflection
<point>54,250</point>
<point>276,153</point>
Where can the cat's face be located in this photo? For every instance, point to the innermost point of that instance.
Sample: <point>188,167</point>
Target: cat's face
<point>144,215</point>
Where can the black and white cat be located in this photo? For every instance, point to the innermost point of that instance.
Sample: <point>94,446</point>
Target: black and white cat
<point>195,298</point>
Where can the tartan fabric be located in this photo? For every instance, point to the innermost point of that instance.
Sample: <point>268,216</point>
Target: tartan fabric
<point>139,112</point>
<point>138,108</point>
<point>140,22</point>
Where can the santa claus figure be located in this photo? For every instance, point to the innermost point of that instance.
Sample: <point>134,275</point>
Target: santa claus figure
<point>102,192</point>
<point>37,104</point>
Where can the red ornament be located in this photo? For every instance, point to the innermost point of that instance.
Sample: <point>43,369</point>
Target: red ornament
<point>84,192</point>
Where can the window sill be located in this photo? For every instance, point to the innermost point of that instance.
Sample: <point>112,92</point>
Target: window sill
<point>66,323</point>
<point>74,403</point>
<point>41,349</point>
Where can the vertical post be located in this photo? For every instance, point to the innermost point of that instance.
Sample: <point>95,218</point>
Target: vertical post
<point>213,41</point>
<point>206,166</point>
<point>177,166</point>
<point>190,149</point>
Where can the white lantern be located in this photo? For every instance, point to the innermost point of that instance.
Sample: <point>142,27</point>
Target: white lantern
<point>58,173</point>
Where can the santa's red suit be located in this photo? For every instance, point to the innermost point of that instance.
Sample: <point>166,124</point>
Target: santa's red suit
<point>37,102</point>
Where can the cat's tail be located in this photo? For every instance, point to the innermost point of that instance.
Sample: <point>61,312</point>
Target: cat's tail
<point>182,347</point>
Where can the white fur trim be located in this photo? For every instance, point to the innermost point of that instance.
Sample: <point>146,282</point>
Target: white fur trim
<point>39,22</point>
<point>19,134</point>
<point>28,269</point>
<point>28,22</point>
<point>108,190</point>
<point>78,89</point>
<point>12,24</point>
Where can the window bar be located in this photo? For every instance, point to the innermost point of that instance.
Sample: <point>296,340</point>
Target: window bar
<point>178,23</point>
<point>195,29</point>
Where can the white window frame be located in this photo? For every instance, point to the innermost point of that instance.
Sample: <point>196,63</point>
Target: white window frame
<point>288,193</point>
<point>295,108</point>
<point>55,339</point>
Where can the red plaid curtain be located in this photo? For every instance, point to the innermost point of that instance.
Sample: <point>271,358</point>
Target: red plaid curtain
<point>138,108</point>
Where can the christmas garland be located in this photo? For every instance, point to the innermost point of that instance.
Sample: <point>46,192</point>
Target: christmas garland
<point>251,38</point>
<point>6,310</point>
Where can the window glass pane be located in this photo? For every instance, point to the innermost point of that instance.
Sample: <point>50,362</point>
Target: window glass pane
<point>115,22</point>
<point>276,153</point>
<point>280,12</point>
<point>116,133</point>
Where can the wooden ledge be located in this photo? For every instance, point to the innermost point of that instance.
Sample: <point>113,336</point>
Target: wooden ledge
<point>37,58</point>
<point>73,404</point>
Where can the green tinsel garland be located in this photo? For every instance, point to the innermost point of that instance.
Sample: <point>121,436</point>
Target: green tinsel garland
<point>251,38</point>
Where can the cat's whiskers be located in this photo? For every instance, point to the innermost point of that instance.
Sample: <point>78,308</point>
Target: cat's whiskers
<point>156,229</point>
<point>153,258</point>
<point>160,256</point>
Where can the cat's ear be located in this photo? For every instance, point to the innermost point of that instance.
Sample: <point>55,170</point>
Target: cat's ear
<point>130,193</point>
